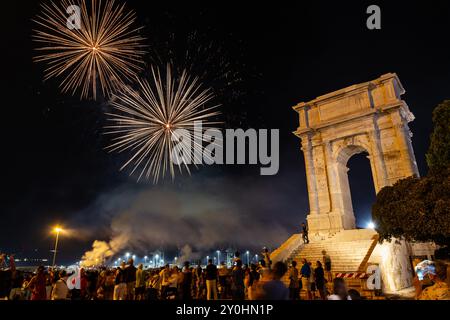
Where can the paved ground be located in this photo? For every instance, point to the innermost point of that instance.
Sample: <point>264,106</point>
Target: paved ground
<point>405,294</point>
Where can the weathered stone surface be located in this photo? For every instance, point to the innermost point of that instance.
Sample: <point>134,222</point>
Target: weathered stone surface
<point>369,117</point>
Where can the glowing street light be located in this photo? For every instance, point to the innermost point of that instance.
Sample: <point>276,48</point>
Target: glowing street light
<point>248,257</point>
<point>56,230</point>
<point>134,257</point>
<point>256,256</point>
<point>218,256</point>
<point>127,255</point>
<point>371,225</point>
<point>145,259</point>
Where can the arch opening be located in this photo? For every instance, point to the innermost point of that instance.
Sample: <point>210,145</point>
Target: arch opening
<point>361,188</point>
<point>355,178</point>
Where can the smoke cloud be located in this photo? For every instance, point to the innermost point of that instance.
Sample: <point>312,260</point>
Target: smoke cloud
<point>215,213</point>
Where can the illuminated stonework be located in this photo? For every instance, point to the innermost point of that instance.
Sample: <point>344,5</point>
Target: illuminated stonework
<point>369,117</point>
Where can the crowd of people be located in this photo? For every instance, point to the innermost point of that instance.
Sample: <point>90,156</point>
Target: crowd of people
<point>128,282</point>
<point>241,282</point>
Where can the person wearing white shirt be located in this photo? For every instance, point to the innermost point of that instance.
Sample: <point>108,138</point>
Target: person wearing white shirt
<point>59,289</point>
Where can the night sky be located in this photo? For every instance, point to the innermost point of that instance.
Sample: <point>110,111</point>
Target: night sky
<point>55,168</point>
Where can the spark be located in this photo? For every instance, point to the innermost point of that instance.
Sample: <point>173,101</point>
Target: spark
<point>145,121</point>
<point>106,49</point>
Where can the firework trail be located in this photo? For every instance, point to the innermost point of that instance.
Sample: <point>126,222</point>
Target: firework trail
<point>106,49</point>
<point>145,121</point>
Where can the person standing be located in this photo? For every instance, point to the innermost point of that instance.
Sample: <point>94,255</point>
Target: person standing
<point>120,288</point>
<point>305,233</point>
<point>165,281</point>
<point>186,282</point>
<point>253,278</point>
<point>198,281</point>
<point>319,279</point>
<point>266,257</point>
<point>37,285</point>
<point>263,270</point>
<point>130,278</point>
<point>327,263</point>
<point>237,282</point>
<point>305,273</point>
<point>294,286</point>
<point>60,290</point>
<point>223,275</point>
<point>140,283</point>
<point>211,281</point>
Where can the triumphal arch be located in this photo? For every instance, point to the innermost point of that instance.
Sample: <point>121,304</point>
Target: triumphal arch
<point>369,117</point>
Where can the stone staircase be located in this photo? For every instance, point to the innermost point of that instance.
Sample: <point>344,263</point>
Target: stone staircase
<point>349,250</point>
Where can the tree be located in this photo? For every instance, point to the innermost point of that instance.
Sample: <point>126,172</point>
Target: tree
<point>419,208</point>
<point>438,155</point>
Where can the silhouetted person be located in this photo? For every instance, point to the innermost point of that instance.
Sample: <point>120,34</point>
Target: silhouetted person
<point>211,281</point>
<point>305,233</point>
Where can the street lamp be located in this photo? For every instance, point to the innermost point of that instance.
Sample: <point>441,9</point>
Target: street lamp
<point>145,259</point>
<point>127,255</point>
<point>134,257</point>
<point>218,256</point>
<point>207,259</point>
<point>248,257</point>
<point>56,230</point>
<point>256,256</point>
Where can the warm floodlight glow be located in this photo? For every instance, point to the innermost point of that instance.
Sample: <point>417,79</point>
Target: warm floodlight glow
<point>57,229</point>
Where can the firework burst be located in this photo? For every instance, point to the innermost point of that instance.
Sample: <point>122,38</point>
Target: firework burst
<point>105,50</point>
<point>145,121</point>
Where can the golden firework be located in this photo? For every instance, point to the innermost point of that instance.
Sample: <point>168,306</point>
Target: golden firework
<point>146,120</point>
<point>104,49</point>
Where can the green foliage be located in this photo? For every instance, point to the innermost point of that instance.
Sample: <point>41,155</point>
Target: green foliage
<point>438,155</point>
<point>419,208</point>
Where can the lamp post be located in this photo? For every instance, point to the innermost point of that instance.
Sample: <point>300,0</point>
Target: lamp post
<point>248,257</point>
<point>57,230</point>
<point>218,256</point>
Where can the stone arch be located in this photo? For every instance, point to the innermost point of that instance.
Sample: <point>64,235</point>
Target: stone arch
<point>368,117</point>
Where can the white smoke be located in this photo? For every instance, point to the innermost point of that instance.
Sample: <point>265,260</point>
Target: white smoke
<point>196,218</point>
<point>102,250</point>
